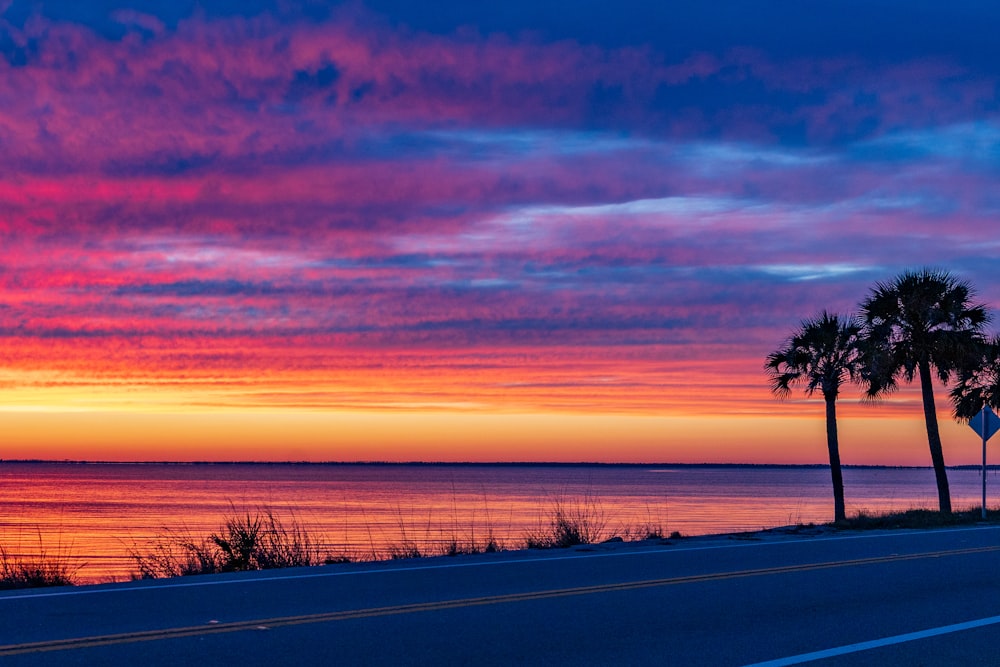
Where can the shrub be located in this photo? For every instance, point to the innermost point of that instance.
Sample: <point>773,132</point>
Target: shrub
<point>245,541</point>
<point>41,570</point>
<point>581,522</point>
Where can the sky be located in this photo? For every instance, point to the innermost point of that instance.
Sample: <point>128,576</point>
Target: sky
<point>546,230</point>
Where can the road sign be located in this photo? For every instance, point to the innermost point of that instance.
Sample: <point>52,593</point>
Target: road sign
<point>986,423</point>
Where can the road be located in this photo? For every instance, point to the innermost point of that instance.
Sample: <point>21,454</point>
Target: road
<point>898,598</point>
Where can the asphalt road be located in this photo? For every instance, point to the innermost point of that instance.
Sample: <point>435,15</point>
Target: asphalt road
<point>900,598</point>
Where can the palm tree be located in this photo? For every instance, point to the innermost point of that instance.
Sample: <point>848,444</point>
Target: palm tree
<point>919,321</point>
<point>978,382</point>
<point>824,353</point>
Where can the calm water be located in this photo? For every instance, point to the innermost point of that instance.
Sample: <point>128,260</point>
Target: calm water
<point>96,514</point>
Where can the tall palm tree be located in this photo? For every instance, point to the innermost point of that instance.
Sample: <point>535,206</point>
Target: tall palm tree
<point>824,353</point>
<point>918,322</point>
<point>977,383</point>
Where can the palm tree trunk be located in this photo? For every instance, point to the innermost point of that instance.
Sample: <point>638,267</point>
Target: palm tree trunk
<point>934,437</point>
<point>832,444</point>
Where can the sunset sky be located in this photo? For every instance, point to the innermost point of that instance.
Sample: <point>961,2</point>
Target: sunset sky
<point>450,231</point>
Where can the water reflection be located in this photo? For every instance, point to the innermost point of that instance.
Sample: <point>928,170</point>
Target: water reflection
<point>93,515</point>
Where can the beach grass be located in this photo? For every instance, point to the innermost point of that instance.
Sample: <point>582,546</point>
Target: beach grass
<point>916,518</point>
<point>652,527</point>
<point>582,520</point>
<point>459,544</point>
<point>478,538</point>
<point>246,540</point>
<point>472,534</point>
<point>569,523</point>
<point>39,570</point>
<point>260,539</point>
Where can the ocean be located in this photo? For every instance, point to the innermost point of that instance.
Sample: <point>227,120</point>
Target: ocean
<point>93,516</point>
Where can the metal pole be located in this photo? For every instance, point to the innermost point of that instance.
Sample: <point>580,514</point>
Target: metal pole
<point>984,463</point>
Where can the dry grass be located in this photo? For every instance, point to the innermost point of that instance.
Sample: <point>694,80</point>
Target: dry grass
<point>653,527</point>
<point>580,521</point>
<point>38,570</point>
<point>639,532</point>
<point>258,540</point>
<point>468,542</point>
<point>915,518</point>
<point>453,542</point>
<point>456,547</point>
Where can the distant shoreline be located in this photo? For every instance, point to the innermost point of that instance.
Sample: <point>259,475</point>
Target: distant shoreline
<point>487,464</point>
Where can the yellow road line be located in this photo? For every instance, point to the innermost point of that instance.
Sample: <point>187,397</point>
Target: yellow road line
<point>266,624</point>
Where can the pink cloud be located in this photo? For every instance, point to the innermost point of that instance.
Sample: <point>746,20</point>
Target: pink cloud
<point>242,198</point>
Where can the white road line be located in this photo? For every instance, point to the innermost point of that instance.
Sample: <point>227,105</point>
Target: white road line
<point>184,582</point>
<point>877,643</point>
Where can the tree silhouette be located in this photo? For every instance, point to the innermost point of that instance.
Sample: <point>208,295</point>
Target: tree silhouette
<point>919,321</point>
<point>824,353</point>
<point>978,382</point>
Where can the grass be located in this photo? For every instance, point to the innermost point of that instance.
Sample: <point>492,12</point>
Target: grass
<point>467,544</point>
<point>454,545</point>
<point>582,520</point>
<point>36,571</point>
<point>451,543</point>
<point>651,528</point>
<point>915,518</point>
<point>258,540</point>
<point>569,524</point>
<point>487,542</point>
<point>641,532</point>
<point>405,547</point>
<point>261,540</point>
<point>576,521</point>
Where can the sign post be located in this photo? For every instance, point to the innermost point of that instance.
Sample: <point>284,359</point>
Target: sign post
<point>986,424</point>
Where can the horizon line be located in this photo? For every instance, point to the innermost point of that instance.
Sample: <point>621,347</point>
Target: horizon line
<point>418,463</point>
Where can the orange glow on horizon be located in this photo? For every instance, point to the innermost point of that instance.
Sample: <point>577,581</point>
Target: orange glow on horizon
<point>414,406</point>
<point>473,437</point>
